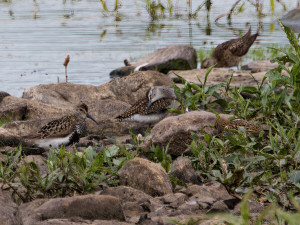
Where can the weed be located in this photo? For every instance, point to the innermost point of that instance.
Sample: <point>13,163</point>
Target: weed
<point>67,173</point>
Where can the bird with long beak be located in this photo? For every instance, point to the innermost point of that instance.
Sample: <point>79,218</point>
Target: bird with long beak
<point>229,53</point>
<point>151,108</point>
<point>63,131</point>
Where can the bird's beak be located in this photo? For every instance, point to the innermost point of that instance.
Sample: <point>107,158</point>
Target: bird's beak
<point>90,117</point>
<point>149,105</point>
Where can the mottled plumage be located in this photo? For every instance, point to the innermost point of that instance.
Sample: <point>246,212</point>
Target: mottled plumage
<point>65,130</point>
<point>151,108</point>
<point>229,53</point>
<point>222,124</point>
<point>140,107</point>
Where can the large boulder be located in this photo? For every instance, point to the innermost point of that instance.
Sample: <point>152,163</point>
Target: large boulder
<point>88,207</point>
<point>13,109</point>
<point>146,176</point>
<point>174,57</point>
<point>45,102</point>
<point>177,130</point>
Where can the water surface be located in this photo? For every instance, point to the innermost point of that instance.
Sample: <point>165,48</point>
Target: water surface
<point>36,36</point>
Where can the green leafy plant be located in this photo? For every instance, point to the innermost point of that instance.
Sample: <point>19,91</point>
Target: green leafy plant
<point>67,173</point>
<point>193,97</point>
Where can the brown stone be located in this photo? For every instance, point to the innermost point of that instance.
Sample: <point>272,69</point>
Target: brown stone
<point>8,210</point>
<point>174,199</point>
<point>218,206</point>
<point>180,126</point>
<point>182,169</point>
<point>88,207</point>
<point>125,193</point>
<point>173,57</point>
<point>213,189</point>
<point>105,102</point>
<point>259,66</point>
<point>146,176</point>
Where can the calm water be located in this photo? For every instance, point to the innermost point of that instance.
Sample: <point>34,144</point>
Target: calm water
<point>37,35</point>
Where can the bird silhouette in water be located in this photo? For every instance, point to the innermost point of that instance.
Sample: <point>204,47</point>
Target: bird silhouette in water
<point>229,53</point>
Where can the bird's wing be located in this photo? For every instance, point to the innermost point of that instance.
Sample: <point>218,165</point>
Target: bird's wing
<point>140,107</point>
<point>58,127</point>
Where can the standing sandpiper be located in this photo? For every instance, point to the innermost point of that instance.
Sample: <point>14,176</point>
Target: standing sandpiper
<point>222,124</point>
<point>229,53</point>
<point>150,109</point>
<point>63,131</point>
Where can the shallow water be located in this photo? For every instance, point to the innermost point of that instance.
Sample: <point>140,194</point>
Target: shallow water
<point>36,36</point>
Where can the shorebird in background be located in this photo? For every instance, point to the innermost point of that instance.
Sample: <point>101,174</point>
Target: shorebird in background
<point>63,131</point>
<point>229,53</point>
<point>151,108</point>
<point>222,124</point>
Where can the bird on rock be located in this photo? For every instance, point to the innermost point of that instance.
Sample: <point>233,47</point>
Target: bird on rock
<point>63,131</point>
<point>151,108</point>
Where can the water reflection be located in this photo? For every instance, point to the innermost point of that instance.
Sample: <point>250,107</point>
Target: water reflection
<point>37,35</point>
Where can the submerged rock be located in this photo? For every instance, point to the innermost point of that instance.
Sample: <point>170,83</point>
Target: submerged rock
<point>174,57</point>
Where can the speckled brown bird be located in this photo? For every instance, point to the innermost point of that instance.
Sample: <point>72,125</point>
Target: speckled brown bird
<point>151,108</point>
<point>222,124</point>
<point>229,53</point>
<point>63,131</point>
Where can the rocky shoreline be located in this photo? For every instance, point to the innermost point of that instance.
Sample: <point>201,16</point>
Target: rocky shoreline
<point>148,197</point>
